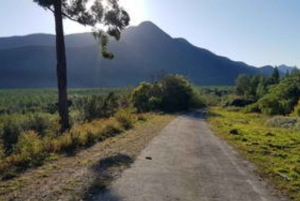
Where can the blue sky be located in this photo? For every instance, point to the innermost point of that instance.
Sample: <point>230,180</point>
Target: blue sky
<point>258,32</point>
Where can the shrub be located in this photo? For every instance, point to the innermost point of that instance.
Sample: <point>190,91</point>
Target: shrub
<point>29,147</point>
<point>196,100</point>
<point>97,106</point>
<point>42,123</point>
<point>253,108</point>
<point>147,97</point>
<point>270,105</point>
<point>11,129</point>
<point>239,102</point>
<point>173,93</point>
<point>125,117</point>
<point>2,153</point>
<point>110,129</point>
<point>296,110</point>
<point>177,93</point>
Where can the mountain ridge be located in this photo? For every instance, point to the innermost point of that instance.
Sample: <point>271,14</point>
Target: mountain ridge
<point>143,51</point>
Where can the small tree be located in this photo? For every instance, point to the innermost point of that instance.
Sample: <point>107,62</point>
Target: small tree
<point>88,13</point>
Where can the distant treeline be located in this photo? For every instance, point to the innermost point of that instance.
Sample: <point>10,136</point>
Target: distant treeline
<point>272,95</point>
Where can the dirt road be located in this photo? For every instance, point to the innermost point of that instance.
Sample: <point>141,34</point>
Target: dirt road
<point>186,162</point>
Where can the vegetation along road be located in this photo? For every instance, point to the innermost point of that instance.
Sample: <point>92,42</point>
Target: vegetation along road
<point>187,162</point>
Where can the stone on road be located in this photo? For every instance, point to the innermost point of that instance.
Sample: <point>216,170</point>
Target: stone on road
<point>186,162</point>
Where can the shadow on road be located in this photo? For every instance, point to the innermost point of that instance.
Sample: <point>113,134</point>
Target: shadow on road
<point>104,175</point>
<point>199,115</point>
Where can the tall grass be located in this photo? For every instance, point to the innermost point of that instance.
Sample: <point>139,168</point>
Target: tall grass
<point>31,149</point>
<point>29,123</point>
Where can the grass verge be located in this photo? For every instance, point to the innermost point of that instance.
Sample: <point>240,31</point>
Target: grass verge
<point>81,176</point>
<point>275,151</point>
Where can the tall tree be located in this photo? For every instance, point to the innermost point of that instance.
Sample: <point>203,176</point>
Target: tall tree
<point>275,76</point>
<point>92,13</point>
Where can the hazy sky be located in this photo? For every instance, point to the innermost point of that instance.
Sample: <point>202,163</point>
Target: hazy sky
<point>258,32</point>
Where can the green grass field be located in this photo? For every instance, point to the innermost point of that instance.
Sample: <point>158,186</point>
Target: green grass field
<point>274,150</point>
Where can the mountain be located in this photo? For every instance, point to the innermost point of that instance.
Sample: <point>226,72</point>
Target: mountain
<point>266,70</point>
<point>143,52</point>
<point>286,69</point>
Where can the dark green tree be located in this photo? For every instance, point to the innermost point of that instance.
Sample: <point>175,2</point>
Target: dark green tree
<point>246,86</point>
<point>275,76</point>
<point>173,93</point>
<point>90,13</point>
<point>282,97</point>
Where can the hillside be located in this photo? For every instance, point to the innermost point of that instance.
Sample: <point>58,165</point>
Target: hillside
<point>144,51</point>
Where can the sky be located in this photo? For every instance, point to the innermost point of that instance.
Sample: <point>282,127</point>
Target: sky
<point>257,32</point>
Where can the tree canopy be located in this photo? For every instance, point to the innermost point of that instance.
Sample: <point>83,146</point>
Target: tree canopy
<point>105,17</point>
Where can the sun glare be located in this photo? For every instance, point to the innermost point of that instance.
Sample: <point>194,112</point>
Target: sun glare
<point>136,9</point>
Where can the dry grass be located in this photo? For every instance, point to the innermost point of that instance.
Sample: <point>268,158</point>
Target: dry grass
<point>77,177</point>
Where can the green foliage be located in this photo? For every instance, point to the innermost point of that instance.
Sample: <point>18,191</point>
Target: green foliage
<point>296,110</point>
<point>173,93</point>
<point>246,86</point>
<point>29,148</point>
<point>177,93</point>
<point>282,97</point>
<point>252,108</point>
<point>2,153</point>
<point>214,96</point>
<point>43,123</point>
<point>275,76</point>
<point>29,130</point>
<point>10,133</point>
<point>147,97</point>
<point>11,127</point>
<point>274,96</point>
<point>109,14</point>
<point>94,106</point>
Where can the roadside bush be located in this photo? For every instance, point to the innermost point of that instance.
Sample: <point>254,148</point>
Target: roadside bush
<point>93,107</point>
<point>147,97</point>
<point>215,96</point>
<point>109,130</point>
<point>2,153</point>
<point>253,108</point>
<point>125,117</point>
<point>296,110</point>
<point>29,148</point>
<point>11,129</point>
<point>42,123</point>
<point>239,102</point>
<point>177,93</point>
<point>173,93</point>
<point>282,97</point>
<point>270,105</point>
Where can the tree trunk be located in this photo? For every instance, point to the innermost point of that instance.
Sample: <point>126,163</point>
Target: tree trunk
<point>61,69</point>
